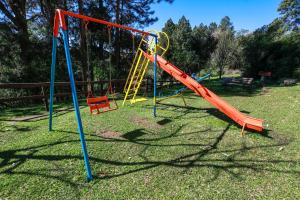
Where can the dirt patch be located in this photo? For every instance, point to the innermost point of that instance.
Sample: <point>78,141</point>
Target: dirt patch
<point>43,115</point>
<point>110,134</point>
<point>144,122</point>
<point>147,180</point>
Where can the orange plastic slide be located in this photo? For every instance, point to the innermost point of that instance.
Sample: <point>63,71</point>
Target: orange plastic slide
<point>240,118</point>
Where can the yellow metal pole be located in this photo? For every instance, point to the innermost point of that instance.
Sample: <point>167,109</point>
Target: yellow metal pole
<point>131,80</point>
<point>133,65</point>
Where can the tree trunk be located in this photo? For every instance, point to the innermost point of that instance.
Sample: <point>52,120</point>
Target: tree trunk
<point>17,15</point>
<point>83,45</point>
<point>25,52</point>
<point>117,36</point>
<point>48,12</point>
<point>220,72</point>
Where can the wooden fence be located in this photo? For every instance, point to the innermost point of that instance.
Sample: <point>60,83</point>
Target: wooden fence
<point>39,92</point>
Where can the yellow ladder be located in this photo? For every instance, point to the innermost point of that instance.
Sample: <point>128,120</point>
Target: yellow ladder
<point>139,67</point>
<point>135,78</point>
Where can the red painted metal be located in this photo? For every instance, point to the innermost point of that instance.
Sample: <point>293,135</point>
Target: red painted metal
<point>223,106</point>
<point>59,21</point>
<point>56,25</point>
<point>98,103</point>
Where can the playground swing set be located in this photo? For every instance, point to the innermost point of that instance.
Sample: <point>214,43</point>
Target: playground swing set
<point>152,47</point>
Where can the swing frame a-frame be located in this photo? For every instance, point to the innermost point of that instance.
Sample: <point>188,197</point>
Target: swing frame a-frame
<point>61,26</point>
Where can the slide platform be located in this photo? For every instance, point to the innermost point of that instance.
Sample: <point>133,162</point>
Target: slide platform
<point>240,118</point>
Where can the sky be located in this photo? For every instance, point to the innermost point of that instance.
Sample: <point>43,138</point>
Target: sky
<point>245,14</point>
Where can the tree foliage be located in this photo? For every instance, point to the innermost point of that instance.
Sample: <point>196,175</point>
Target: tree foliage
<point>204,47</point>
<point>26,35</point>
<point>290,13</point>
<point>266,52</point>
<point>228,51</point>
<point>223,55</point>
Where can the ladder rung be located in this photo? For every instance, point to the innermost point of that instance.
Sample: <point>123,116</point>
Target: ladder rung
<point>132,101</point>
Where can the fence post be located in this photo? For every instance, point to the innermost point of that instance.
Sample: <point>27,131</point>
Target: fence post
<point>147,86</point>
<point>45,99</point>
<point>101,88</point>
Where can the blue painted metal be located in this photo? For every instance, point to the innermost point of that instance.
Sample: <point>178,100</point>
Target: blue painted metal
<point>198,79</point>
<point>153,35</point>
<point>154,78</point>
<point>76,106</point>
<point>54,46</point>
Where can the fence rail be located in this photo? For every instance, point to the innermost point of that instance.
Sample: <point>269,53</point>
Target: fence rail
<point>39,92</point>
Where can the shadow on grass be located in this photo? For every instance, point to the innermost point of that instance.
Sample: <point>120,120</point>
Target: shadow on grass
<point>13,127</point>
<point>132,135</point>
<point>164,122</point>
<point>33,115</point>
<point>184,110</point>
<point>30,117</point>
<point>199,158</point>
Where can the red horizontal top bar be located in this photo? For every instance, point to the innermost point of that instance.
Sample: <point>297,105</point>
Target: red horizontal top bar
<point>62,13</point>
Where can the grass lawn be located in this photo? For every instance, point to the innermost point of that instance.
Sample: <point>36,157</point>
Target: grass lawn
<point>192,152</point>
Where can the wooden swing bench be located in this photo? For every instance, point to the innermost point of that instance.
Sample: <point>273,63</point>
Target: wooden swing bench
<point>241,81</point>
<point>101,104</point>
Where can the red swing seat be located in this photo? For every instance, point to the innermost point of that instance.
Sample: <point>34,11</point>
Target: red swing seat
<point>101,104</point>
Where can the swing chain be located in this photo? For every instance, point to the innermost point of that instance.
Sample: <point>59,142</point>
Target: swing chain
<point>110,47</point>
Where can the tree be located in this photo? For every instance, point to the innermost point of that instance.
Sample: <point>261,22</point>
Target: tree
<point>83,43</point>
<point>203,44</point>
<point>26,34</point>
<point>190,48</point>
<point>290,13</point>
<point>27,27</point>
<point>265,51</point>
<point>223,53</point>
<point>130,12</point>
<point>227,49</point>
<point>183,55</point>
<point>169,29</point>
<point>16,24</point>
<point>226,24</point>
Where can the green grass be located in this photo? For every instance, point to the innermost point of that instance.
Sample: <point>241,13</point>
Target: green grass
<point>192,152</point>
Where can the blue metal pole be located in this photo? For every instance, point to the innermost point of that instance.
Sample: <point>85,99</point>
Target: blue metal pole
<point>154,78</point>
<point>76,106</point>
<point>54,45</point>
